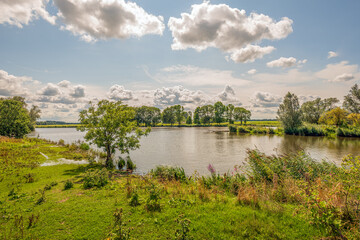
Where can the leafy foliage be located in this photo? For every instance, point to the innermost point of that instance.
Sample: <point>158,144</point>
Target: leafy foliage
<point>111,126</point>
<point>289,112</point>
<point>352,100</point>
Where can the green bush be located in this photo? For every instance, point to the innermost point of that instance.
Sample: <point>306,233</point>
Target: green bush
<point>169,173</point>
<point>121,163</point>
<point>130,165</point>
<point>68,184</point>
<point>95,178</point>
<point>84,146</point>
<point>153,202</point>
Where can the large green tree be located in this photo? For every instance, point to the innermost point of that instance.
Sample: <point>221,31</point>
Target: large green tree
<point>289,112</point>
<point>206,114</point>
<point>219,112</point>
<point>111,126</point>
<point>14,118</point>
<point>312,110</point>
<point>150,116</point>
<point>352,100</point>
<point>196,116</point>
<point>230,113</point>
<point>241,114</point>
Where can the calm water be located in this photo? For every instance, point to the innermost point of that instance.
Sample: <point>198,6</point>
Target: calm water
<point>196,148</point>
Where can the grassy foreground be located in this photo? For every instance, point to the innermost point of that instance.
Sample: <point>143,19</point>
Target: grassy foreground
<point>289,197</point>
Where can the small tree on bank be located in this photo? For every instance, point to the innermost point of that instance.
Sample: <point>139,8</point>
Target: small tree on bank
<point>111,126</point>
<point>289,113</point>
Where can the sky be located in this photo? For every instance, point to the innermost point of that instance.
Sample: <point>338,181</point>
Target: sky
<point>61,54</point>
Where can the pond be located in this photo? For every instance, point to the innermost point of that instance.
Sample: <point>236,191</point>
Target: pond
<point>195,148</point>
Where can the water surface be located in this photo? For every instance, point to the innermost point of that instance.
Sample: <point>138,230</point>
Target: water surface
<point>195,148</point>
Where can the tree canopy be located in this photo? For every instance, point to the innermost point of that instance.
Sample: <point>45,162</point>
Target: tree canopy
<point>352,100</point>
<point>111,126</point>
<point>289,113</point>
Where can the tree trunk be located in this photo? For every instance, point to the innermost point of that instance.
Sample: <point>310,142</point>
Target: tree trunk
<point>109,162</point>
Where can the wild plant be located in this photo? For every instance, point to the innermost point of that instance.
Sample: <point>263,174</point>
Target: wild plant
<point>130,165</point>
<point>134,200</point>
<point>95,178</point>
<point>153,201</point>
<point>119,230</point>
<point>68,184</point>
<point>33,219</point>
<point>183,232</point>
<point>42,198</point>
<point>121,163</point>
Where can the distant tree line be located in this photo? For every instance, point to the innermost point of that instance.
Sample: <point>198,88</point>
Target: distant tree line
<point>217,113</point>
<point>320,111</point>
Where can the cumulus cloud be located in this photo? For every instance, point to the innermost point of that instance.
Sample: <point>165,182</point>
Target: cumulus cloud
<point>103,19</point>
<point>50,90</point>
<point>265,99</point>
<point>119,93</point>
<point>250,53</point>
<point>179,95</point>
<point>64,84</point>
<point>332,54</point>
<point>285,62</point>
<point>223,27</point>
<point>21,12</point>
<point>344,77</point>
<point>227,96</point>
<point>196,76</point>
<point>342,71</point>
<point>78,91</point>
<point>11,85</point>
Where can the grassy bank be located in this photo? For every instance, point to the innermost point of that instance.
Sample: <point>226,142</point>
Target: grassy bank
<point>270,197</point>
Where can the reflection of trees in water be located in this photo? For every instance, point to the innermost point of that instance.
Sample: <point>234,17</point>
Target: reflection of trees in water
<point>338,146</point>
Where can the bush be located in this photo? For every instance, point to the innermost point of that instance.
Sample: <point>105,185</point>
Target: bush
<point>153,202</point>
<point>297,166</point>
<point>232,129</point>
<point>68,184</point>
<point>95,178</point>
<point>84,146</point>
<point>169,173</point>
<point>130,165</point>
<point>134,201</point>
<point>121,163</point>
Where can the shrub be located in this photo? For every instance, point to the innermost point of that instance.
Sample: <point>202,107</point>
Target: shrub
<point>232,129</point>
<point>120,232</point>
<point>130,165</point>
<point>183,233</point>
<point>68,184</point>
<point>42,198</point>
<point>84,146</point>
<point>134,201</point>
<point>95,178</point>
<point>29,178</point>
<point>61,142</point>
<point>153,202</point>
<point>121,163</point>
<point>169,173</point>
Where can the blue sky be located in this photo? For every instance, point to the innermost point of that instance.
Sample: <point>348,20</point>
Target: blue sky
<point>44,47</point>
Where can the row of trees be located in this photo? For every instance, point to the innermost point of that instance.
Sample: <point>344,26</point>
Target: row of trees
<point>16,120</point>
<point>320,111</point>
<point>217,113</point>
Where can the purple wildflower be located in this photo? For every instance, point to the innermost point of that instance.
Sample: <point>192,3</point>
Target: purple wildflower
<point>211,169</point>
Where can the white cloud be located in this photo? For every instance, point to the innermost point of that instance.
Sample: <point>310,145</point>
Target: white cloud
<point>250,53</point>
<point>196,76</point>
<point>119,93</point>
<point>11,85</point>
<point>332,54</point>
<point>223,27</point>
<point>104,19</point>
<point>265,99</point>
<point>64,83</point>
<point>344,77</point>
<point>252,71</point>
<point>21,12</point>
<point>50,90</point>
<point>78,91</point>
<point>342,71</point>
<point>285,62</point>
<point>227,96</point>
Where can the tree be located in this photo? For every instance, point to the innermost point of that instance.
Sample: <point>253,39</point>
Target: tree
<point>14,119</point>
<point>352,100</point>
<point>312,110</point>
<point>168,115</point>
<point>289,113</point>
<point>219,111</point>
<point>179,113</point>
<point>354,119</point>
<point>241,114</point>
<point>206,114</point>
<point>34,114</point>
<point>110,126</point>
<point>230,113</point>
<point>196,116</point>
<point>188,120</point>
<point>336,117</point>
<point>150,116</point>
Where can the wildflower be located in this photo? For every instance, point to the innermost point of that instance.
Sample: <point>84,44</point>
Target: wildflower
<point>211,169</point>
